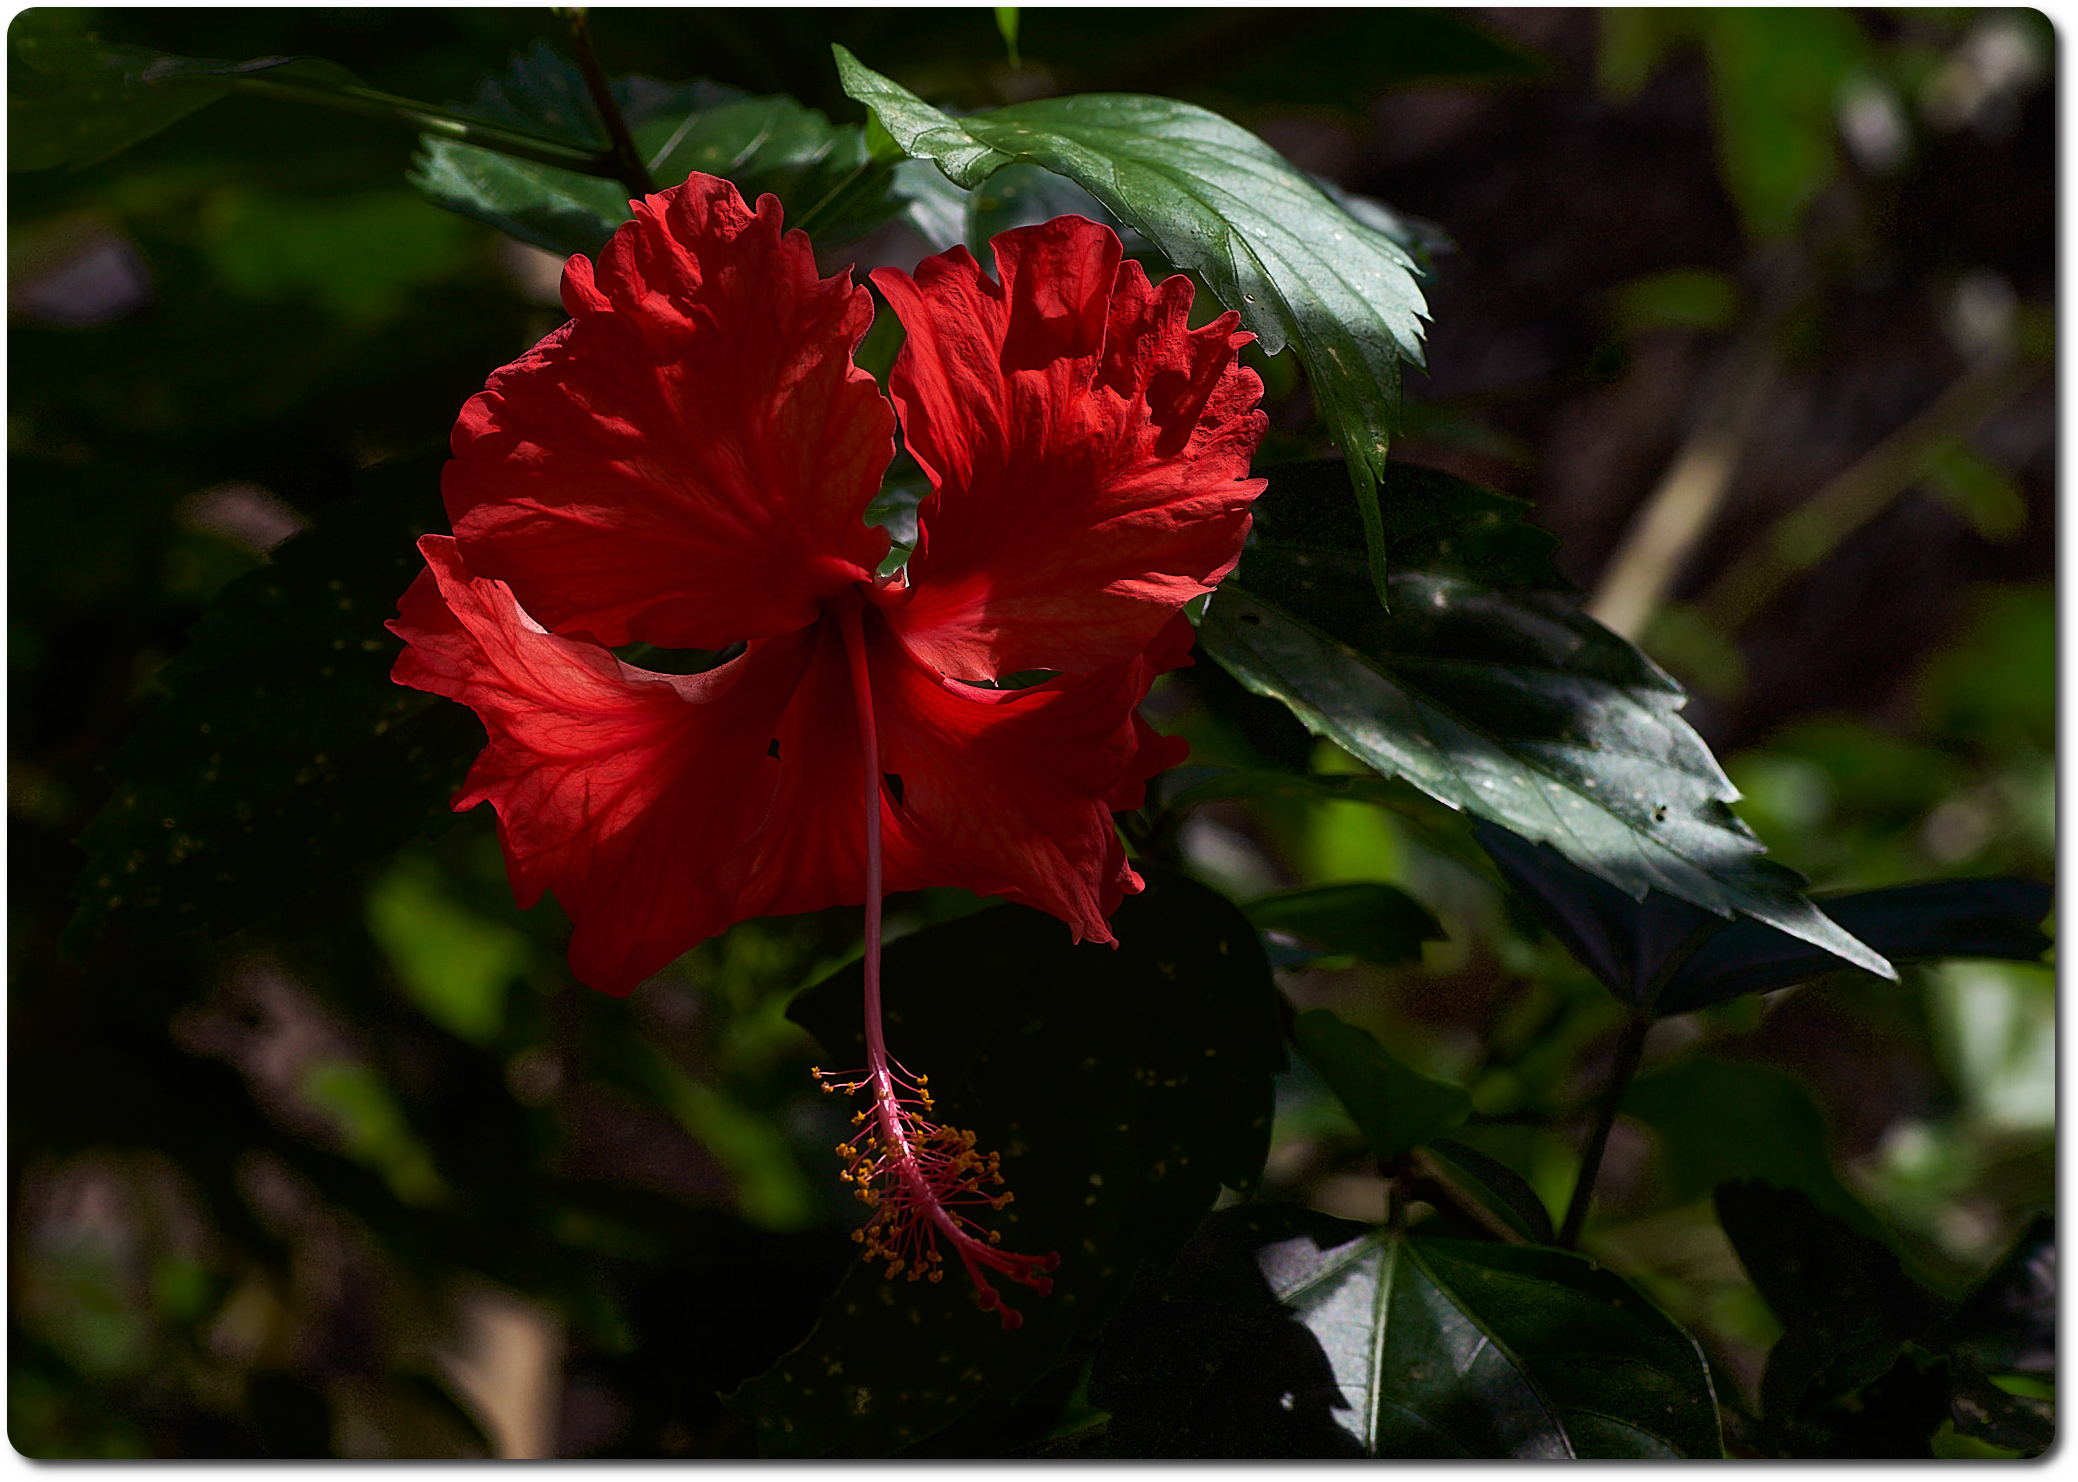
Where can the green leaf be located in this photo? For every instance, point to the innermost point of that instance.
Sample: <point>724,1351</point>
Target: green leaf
<point>1722,1120</point>
<point>1218,202</point>
<point>1379,923</point>
<point>761,144</point>
<point>455,964</point>
<point>1024,195</point>
<point>1395,1106</point>
<point>1006,27</point>
<point>1497,1186</point>
<point>374,1129</point>
<point>73,101</point>
<point>1122,1087</point>
<point>558,210</point>
<point>1846,1305</point>
<point>1519,708</point>
<point>281,756</point>
<point>1775,79</point>
<point>927,203</point>
<point>358,255</point>
<point>1286,1333</point>
<point>774,144</point>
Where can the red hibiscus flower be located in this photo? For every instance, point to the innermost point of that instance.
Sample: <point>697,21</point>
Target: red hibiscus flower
<point>687,463</point>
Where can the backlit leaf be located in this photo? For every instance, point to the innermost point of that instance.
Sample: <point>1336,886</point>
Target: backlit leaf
<point>1379,923</point>
<point>1395,1106</point>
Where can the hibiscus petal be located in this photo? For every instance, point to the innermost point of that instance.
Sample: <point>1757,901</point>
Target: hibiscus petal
<point>811,852</point>
<point>688,460</point>
<point>629,794</point>
<point>1088,451</point>
<point>1011,792</point>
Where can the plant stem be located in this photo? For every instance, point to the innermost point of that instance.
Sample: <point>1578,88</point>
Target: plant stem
<point>1814,530</point>
<point>387,107</point>
<point>628,166</point>
<point>1439,1188</point>
<point>1628,1050</point>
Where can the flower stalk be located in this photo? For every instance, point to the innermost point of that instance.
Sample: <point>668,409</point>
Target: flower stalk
<point>915,1174</point>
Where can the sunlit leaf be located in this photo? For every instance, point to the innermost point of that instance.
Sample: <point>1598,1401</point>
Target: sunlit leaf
<point>1218,202</point>
<point>1286,1333</point>
<point>1516,707</point>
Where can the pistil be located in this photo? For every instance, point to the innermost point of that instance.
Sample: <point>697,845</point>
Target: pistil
<point>916,1175</point>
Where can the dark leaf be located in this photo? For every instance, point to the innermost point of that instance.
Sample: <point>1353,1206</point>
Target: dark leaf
<point>1218,202</point>
<point>1379,923</point>
<point>1430,521</point>
<point>2008,1324</point>
<point>1980,1408</point>
<point>1906,923</point>
<point>1122,1087</point>
<point>1497,1186</point>
<point>1621,1377</point>
<point>1629,944</point>
<point>1396,1107</point>
<point>1518,708</point>
<point>1724,1120</point>
<point>1846,1305</point>
<point>73,101</point>
<point>1286,1333</point>
<point>281,756</point>
<point>1668,955</point>
<point>762,144</point>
